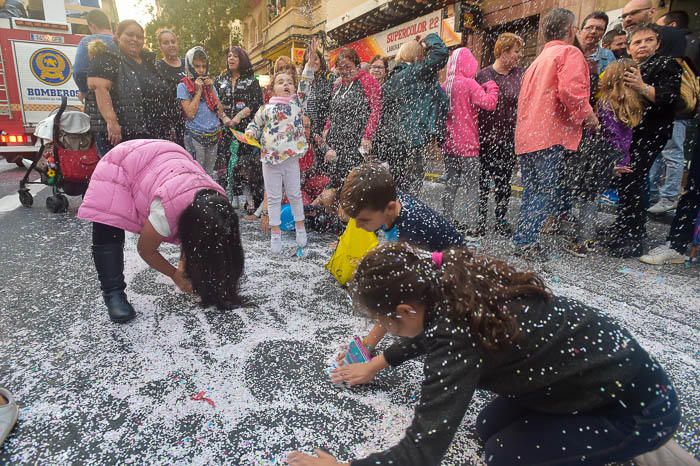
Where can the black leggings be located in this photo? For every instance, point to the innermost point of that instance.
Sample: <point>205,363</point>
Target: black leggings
<point>497,164</point>
<point>631,216</point>
<point>105,234</point>
<point>514,435</point>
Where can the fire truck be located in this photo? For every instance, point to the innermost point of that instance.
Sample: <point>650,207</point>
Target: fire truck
<point>36,70</point>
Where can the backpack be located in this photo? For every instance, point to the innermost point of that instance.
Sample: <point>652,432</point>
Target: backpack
<point>687,103</point>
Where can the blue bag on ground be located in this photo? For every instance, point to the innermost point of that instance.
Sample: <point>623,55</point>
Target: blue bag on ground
<point>287,218</point>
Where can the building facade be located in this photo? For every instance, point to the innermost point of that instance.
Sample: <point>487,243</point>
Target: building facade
<point>362,24</point>
<point>275,28</point>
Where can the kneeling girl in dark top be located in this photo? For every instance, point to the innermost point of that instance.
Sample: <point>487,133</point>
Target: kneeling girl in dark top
<point>572,386</point>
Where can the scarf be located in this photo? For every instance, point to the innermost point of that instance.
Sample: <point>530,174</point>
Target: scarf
<point>210,97</point>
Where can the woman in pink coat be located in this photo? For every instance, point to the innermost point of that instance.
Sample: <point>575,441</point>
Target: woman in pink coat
<point>155,189</point>
<point>461,146</point>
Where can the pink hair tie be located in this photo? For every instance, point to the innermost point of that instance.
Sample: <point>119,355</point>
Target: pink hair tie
<point>437,259</point>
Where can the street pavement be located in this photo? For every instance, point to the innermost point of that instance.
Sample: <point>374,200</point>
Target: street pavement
<point>186,385</point>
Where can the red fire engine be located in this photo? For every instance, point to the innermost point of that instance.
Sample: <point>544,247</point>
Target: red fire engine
<point>36,69</point>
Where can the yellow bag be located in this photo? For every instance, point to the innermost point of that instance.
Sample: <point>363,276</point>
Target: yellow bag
<point>687,102</point>
<point>353,244</point>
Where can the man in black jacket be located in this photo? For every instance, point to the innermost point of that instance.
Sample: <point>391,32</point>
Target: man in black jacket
<point>637,12</point>
<point>680,20</point>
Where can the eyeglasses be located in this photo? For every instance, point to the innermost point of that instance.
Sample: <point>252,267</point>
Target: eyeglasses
<point>377,68</point>
<point>594,28</point>
<point>633,13</point>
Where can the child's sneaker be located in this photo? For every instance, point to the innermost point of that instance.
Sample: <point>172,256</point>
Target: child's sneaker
<point>8,413</point>
<point>661,255</point>
<point>276,242</point>
<point>609,197</point>
<point>301,237</point>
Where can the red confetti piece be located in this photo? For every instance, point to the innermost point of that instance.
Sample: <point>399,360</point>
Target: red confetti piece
<point>200,397</point>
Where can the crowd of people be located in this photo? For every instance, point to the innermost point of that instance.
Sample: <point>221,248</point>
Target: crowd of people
<point>350,142</point>
<point>577,133</point>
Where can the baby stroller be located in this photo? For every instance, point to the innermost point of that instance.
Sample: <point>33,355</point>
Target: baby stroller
<point>66,160</point>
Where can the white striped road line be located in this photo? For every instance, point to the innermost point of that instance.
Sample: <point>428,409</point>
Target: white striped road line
<point>11,201</point>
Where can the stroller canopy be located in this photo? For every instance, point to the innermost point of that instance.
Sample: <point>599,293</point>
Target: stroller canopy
<point>72,122</point>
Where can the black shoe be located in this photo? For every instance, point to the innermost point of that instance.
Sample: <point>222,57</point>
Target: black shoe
<point>627,249</point>
<point>503,228</point>
<point>109,262</point>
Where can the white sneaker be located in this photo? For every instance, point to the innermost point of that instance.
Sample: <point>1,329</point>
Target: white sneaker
<point>661,255</point>
<point>276,242</point>
<point>8,414</point>
<point>664,205</point>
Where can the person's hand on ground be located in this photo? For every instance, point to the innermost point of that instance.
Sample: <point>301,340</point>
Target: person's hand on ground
<point>297,458</point>
<point>182,281</point>
<point>354,374</point>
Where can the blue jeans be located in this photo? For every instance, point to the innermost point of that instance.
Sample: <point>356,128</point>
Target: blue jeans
<point>672,159</point>
<point>540,174</point>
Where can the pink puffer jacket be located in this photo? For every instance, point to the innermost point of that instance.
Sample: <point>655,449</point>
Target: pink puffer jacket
<point>131,175</point>
<point>466,97</point>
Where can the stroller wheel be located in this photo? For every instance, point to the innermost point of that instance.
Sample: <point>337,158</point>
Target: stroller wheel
<point>64,202</point>
<point>25,197</point>
<point>57,204</point>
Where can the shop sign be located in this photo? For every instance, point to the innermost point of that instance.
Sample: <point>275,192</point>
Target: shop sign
<point>388,43</point>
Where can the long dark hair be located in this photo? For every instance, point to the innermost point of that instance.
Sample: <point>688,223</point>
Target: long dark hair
<point>323,69</point>
<point>245,67</point>
<point>467,287</point>
<point>211,245</point>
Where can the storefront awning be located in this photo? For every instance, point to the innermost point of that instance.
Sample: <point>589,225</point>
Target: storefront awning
<point>362,21</point>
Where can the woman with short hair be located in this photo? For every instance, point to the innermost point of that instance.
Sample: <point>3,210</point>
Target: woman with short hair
<point>355,111</point>
<point>497,130</point>
<point>414,110</point>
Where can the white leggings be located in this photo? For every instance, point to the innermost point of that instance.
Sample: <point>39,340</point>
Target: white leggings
<point>283,177</point>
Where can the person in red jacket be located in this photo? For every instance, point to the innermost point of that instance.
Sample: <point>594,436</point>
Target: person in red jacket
<point>553,109</point>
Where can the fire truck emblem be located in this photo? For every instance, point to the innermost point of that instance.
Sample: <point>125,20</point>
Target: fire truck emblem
<point>50,66</point>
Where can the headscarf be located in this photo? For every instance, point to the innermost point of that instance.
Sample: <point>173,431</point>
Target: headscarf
<point>210,97</point>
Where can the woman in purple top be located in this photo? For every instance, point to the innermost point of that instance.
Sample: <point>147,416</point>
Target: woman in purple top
<point>497,130</point>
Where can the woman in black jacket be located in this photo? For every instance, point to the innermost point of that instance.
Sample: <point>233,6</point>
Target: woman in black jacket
<point>241,95</point>
<point>414,109</point>
<point>171,70</point>
<point>319,99</point>
<point>658,81</point>
<point>572,386</point>
<point>127,98</point>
